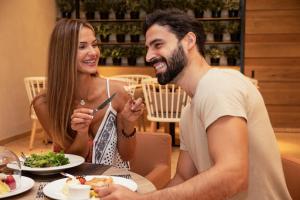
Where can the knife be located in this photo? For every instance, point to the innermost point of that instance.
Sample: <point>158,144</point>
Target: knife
<point>102,105</point>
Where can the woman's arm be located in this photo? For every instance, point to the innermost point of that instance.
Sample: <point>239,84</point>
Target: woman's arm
<point>129,111</point>
<point>79,145</point>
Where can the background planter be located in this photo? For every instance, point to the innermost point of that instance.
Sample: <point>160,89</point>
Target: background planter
<point>66,14</point>
<point>215,61</point>
<point>120,38</point>
<point>233,13</point>
<point>135,38</point>
<point>104,38</point>
<point>117,61</point>
<point>131,61</point>
<point>231,61</point>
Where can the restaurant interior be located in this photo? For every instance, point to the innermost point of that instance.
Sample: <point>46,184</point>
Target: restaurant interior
<point>267,51</point>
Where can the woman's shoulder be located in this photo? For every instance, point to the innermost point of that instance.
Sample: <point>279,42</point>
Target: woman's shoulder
<point>39,102</point>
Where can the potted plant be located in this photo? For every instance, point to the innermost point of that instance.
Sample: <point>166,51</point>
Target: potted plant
<point>199,7</point>
<point>208,30</point>
<point>134,7</point>
<point>218,29</point>
<point>117,53</point>
<point>104,9</point>
<point>232,54</point>
<point>66,7</point>
<point>132,53</point>
<point>233,7</point>
<point>103,31</point>
<point>120,29</point>
<point>119,7</point>
<point>234,29</point>
<point>216,7</point>
<point>148,5</point>
<point>90,7</point>
<point>180,4</point>
<point>135,30</point>
<point>215,54</point>
<point>104,54</point>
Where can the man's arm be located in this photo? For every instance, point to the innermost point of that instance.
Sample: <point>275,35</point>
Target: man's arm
<point>228,147</point>
<point>185,169</point>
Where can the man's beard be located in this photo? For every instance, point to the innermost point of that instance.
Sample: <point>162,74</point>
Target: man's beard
<point>175,64</point>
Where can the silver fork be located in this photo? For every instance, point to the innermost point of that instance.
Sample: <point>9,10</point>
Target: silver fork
<point>23,156</point>
<point>40,195</point>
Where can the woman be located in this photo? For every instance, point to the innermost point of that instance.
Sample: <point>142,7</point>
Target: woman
<point>74,89</point>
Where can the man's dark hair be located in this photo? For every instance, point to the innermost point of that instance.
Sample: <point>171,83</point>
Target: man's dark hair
<point>179,23</point>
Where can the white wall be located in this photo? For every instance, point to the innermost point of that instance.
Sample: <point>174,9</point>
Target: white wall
<point>25,28</point>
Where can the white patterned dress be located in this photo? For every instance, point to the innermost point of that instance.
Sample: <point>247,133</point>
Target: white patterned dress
<point>105,149</point>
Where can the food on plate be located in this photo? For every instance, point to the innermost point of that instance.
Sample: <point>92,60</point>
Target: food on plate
<point>50,159</point>
<point>7,183</point>
<point>79,192</point>
<point>72,186</point>
<point>99,182</point>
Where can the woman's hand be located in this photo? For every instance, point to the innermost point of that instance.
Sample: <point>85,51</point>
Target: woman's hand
<point>81,119</point>
<point>132,110</point>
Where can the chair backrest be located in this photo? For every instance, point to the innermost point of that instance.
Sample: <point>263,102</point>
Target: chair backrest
<point>133,81</point>
<point>34,85</point>
<point>164,103</point>
<point>291,169</point>
<point>152,158</point>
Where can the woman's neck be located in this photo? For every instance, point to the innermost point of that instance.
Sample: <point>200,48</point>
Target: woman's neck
<point>84,88</point>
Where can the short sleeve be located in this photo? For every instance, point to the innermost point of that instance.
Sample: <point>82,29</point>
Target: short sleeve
<point>222,100</point>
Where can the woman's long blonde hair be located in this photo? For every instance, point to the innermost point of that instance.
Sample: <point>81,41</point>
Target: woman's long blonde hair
<point>62,77</point>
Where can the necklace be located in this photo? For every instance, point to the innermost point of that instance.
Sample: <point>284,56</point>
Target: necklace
<point>82,102</point>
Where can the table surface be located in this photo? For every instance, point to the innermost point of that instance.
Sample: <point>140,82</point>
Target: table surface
<point>144,185</point>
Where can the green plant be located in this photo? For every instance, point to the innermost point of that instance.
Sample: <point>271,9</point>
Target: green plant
<point>103,29</point>
<point>134,51</point>
<point>233,27</point>
<point>232,4</point>
<point>65,5</point>
<point>148,5</point>
<point>117,52</point>
<point>135,29</point>
<point>208,28</point>
<point>119,6</point>
<point>120,28</point>
<point>232,52</point>
<point>133,5</point>
<point>91,5</point>
<point>104,6</point>
<point>200,5</point>
<point>215,52</point>
<point>216,5</point>
<point>217,27</point>
<point>180,4</point>
<point>105,52</point>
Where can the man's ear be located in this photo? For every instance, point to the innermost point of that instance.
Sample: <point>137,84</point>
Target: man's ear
<point>190,37</point>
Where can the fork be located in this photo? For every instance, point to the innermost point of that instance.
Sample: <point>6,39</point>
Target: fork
<point>40,195</point>
<point>127,176</point>
<point>23,155</point>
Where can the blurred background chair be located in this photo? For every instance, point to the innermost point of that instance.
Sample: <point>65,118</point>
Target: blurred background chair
<point>134,89</point>
<point>152,158</point>
<point>34,85</point>
<point>291,169</point>
<point>164,103</point>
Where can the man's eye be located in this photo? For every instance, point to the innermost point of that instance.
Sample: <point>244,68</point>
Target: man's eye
<point>157,45</point>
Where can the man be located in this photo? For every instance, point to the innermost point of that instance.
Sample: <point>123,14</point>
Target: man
<point>228,147</point>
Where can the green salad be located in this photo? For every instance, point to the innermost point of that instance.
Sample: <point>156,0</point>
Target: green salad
<point>50,159</point>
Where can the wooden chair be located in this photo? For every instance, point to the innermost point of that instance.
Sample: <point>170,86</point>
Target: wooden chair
<point>152,157</point>
<point>134,88</point>
<point>291,169</point>
<point>34,85</point>
<point>164,103</point>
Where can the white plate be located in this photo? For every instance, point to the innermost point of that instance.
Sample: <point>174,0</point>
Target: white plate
<point>74,161</point>
<point>54,189</point>
<point>26,184</point>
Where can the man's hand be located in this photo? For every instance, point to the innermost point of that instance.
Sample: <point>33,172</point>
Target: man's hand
<point>116,192</point>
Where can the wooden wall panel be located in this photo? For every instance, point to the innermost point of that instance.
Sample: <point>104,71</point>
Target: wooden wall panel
<point>272,21</point>
<point>273,5</point>
<point>272,51</point>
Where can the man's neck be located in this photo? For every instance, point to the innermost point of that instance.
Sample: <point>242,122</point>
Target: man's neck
<point>191,74</point>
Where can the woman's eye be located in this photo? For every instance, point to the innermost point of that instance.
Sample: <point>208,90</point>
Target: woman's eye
<point>82,46</point>
<point>95,45</point>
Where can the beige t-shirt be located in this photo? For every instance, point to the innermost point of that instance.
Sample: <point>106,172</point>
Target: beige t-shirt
<point>223,92</point>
